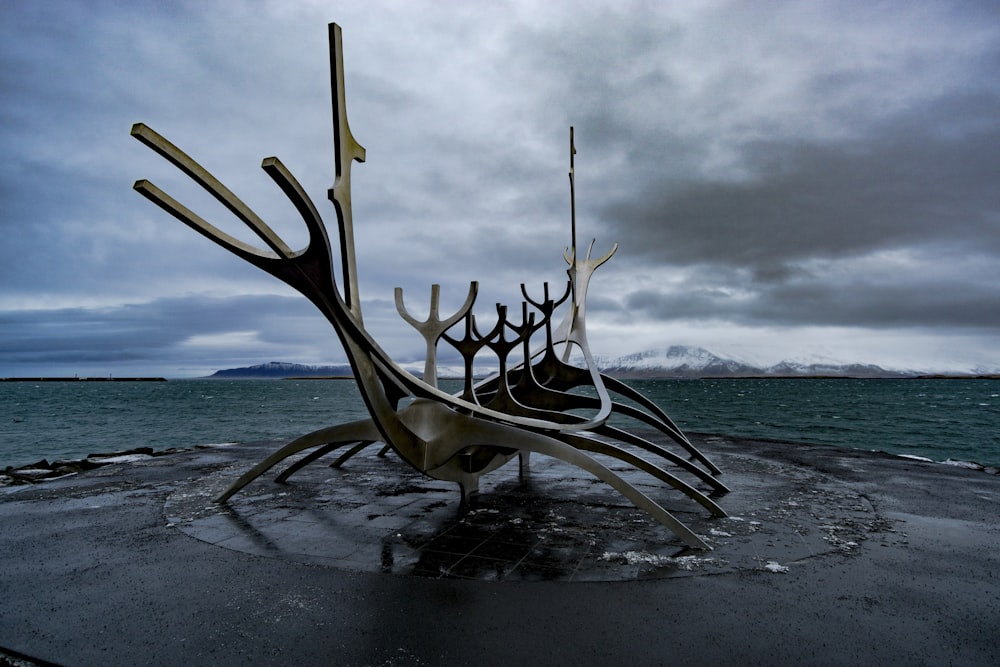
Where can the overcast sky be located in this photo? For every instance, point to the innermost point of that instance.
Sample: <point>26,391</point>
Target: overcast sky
<point>785,179</point>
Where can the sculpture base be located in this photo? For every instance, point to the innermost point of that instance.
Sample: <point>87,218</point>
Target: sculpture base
<point>557,524</point>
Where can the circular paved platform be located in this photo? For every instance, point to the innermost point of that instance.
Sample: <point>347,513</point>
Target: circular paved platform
<point>377,514</point>
<point>829,555</point>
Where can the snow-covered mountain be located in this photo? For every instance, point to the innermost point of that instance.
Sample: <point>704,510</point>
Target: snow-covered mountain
<point>687,361</point>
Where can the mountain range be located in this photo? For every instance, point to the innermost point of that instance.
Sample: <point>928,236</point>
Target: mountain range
<point>280,370</point>
<point>675,361</point>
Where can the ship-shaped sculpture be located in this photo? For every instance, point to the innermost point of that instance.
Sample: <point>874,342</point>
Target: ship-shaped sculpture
<point>533,404</point>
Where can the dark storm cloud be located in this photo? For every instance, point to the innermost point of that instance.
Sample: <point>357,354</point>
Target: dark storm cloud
<point>906,183</point>
<point>930,304</point>
<point>845,158</point>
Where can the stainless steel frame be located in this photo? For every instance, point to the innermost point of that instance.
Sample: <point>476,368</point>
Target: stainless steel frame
<point>528,406</point>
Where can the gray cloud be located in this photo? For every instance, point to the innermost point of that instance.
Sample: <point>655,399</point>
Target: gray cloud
<point>158,333</point>
<point>927,301</point>
<point>791,166</point>
<point>903,185</point>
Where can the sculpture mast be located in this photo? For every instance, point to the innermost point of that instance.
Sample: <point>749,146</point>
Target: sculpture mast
<point>572,193</point>
<point>346,149</point>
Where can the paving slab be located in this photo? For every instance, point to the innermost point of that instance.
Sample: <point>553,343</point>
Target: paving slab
<point>827,556</point>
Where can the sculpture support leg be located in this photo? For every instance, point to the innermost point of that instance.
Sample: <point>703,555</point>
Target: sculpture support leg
<point>362,429</point>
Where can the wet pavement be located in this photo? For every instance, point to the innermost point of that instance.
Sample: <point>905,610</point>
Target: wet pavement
<point>556,523</point>
<point>827,556</point>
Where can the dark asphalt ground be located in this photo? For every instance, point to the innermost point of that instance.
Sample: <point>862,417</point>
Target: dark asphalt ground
<point>828,558</point>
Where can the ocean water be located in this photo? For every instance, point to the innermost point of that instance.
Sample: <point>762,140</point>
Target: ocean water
<point>934,418</point>
<point>937,419</point>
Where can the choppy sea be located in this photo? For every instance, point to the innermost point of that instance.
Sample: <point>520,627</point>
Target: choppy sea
<point>937,419</point>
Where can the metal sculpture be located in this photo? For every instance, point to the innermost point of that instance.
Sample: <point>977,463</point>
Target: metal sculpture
<point>528,406</point>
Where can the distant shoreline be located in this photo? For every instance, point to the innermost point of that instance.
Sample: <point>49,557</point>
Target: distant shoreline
<point>79,379</point>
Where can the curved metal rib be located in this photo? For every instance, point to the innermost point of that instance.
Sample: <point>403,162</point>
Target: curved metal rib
<point>628,392</point>
<point>210,183</point>
<point>550,446</point>
<point>608,449</point>
<point>718,488</point>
